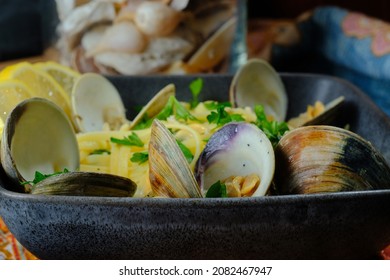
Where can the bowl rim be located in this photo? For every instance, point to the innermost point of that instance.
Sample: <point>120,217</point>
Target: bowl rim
<point>189,202</point>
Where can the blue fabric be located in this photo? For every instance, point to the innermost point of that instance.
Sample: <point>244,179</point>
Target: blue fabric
<point>336,41</point>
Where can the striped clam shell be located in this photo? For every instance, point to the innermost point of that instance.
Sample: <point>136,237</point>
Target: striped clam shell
<point>320,159</point>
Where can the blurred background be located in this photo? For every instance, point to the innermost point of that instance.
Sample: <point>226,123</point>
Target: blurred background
<point>291,9</point>
<point>348,39</point>
<point>27,27</point>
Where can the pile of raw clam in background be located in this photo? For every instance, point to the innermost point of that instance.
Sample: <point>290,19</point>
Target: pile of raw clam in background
<point>134,37</point>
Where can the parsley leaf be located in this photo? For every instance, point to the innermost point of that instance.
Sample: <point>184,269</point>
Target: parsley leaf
<point>167,110</point>
<point>181,112</point>
<point>237,118</point>
<point>187,153</point>
<point>131,140</point>
<point>140,157</point>
<point>146,122</point>
<point>217,189</point>
<point>38,177</point>
<point>213,105</point>
<point>195,88</point>
<point>221,117</point>
<point>273,129</point>
<point>174,107</point>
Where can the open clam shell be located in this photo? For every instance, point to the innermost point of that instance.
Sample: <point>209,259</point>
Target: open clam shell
<point>37,136</point>
<point>237,149</point>
<point>86,184</point>
<point>155,105</point>
<point>169,172</point>
<point>318,159</point>
<point>257,83</point>
<point>96,102</point>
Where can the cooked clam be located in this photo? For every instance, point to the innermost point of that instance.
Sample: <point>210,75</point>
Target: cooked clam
<point>318,159</point>
<point>85,184</point>
<point>37,136</point>
<point>169,172</point>
<point>237,149</point>
<point>96,102</point>
<point>256,82</point>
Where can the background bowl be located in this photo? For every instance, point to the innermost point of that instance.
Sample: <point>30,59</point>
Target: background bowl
<point>353,225</point>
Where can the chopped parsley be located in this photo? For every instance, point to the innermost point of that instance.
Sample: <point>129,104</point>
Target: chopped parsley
<point>187,153</point>
<point>140,157</point>
<point>273,129</point>
<point>196,87</point>
<point>221,117</point>
<point>213,105</point>
<point>146,122</point>
<point>173,107</point>
<point>131,140</point>
<point>38,177</point>
<point>217,189</point>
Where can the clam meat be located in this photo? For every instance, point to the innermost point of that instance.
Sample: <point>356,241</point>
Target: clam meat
<point>241,154</point>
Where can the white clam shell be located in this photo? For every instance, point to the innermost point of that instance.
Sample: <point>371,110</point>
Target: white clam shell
<point>38,136</point>
<point>96,102</point>
<point>237,149</point>
<point>257,83</point>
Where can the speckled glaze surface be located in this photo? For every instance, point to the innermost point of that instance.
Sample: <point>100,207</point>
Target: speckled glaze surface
<point>353,225</point>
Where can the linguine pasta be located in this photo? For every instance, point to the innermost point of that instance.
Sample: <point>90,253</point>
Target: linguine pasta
<point>99,154</point>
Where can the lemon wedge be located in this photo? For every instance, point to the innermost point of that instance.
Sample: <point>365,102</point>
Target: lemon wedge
<point>39,82</point>
<point>11,93</point>
<point>63,75</point>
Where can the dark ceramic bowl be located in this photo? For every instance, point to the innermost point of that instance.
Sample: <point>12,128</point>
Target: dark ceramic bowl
<point>353,225</point>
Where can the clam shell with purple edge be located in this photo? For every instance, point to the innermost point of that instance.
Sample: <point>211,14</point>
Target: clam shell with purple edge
<point>237,149</point>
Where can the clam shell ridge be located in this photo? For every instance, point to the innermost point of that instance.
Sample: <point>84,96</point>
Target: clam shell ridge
<point>86,184</point>
<point>318,159</point>
<point>169,172</point>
